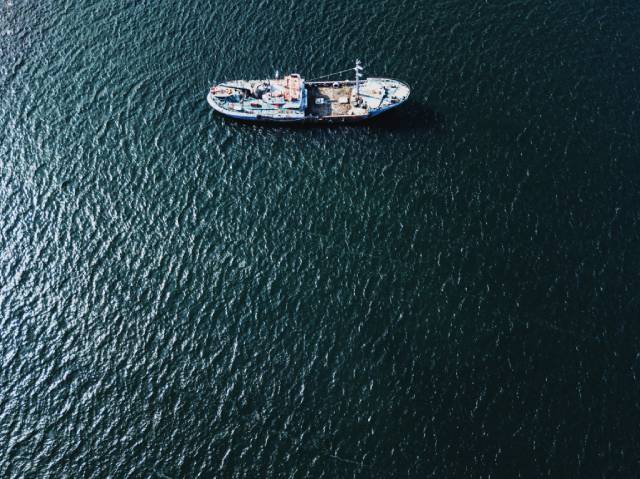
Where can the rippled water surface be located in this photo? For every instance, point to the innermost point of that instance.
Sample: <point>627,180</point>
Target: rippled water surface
<point>452,291</point>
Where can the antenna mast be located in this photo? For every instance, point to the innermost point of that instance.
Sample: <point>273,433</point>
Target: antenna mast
<point>358,69</point>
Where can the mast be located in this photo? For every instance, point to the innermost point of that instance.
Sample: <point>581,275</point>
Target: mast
<point>358,69</point>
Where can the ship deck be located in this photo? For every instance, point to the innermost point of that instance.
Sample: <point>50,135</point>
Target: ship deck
<point>331,104</point>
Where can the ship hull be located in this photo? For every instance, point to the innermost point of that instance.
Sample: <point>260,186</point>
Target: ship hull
<point>336,106</point>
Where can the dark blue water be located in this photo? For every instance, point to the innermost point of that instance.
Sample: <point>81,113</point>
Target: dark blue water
<point>450,291</point>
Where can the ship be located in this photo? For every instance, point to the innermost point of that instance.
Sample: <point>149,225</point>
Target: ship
<point>292,99</point>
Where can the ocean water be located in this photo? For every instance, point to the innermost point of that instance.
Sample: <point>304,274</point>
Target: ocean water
<point>450,291</point>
